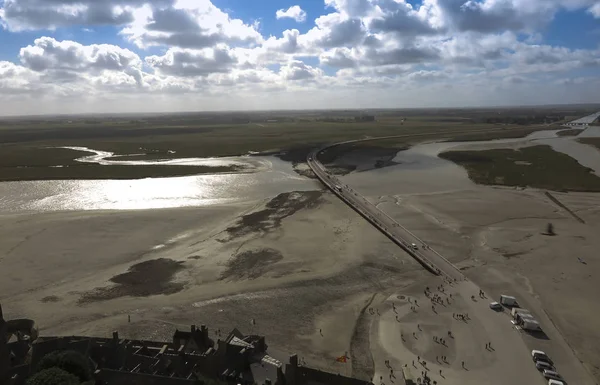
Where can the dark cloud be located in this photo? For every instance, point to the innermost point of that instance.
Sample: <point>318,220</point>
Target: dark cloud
<point>492,16</point>
<point>193,63</point>
<point>346,33</point>
<point>50,14</point>
<point>177,21</point>
<point>298,70</point>
<point>401,19</point>
<point>405,55</point>
<point>337,59</point>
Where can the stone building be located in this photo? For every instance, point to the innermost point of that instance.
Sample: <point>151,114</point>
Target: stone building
<point>191,358</point>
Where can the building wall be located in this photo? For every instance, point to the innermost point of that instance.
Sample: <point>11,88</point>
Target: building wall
<point>4,353</point>
<point>299,375</point>
<point>113,377</point>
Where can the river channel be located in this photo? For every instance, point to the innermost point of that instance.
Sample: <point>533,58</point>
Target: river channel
<point>419,170</point>
<point>264,177</point>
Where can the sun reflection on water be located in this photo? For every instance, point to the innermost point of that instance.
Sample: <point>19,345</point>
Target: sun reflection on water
<point>151,193</point>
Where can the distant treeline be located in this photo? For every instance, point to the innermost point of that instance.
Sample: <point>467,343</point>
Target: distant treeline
<point>364,118</point>
<point>525,120</point>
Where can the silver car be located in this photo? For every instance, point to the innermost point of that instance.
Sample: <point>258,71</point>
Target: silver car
<point>542,365</point>
<point>552,375</point>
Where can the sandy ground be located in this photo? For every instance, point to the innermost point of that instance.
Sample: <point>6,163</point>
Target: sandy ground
<point>506,251</point>
<point>496,236</point>
<point>426,338</point>
<point>307,269</point>
<point>286,262</point>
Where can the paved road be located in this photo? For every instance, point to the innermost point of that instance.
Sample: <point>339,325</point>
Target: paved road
<point>417,248</point>
<point>586,120</point>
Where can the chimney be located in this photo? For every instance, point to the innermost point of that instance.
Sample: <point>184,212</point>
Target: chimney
<point>115,336</point>
<point>294,360</point>
<point>261,345</point>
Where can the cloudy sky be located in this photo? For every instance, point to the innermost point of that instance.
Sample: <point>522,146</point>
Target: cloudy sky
<point>65,56</point>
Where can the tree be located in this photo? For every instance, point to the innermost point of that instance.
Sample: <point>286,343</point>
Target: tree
<point>53,376</point>
<point>550,229</point>
<point>70,361</point>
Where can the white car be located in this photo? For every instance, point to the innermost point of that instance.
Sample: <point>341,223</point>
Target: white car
<point>414,246</point>
<point>495,306</point>
<point>552,375</point>
<point>555,382</point>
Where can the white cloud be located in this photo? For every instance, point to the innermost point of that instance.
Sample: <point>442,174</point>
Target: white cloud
<point>481,49</point>
<point>188,24</point>
<point>298,70</point>
<point>595,10</point>
<point>49,54</point>
<point>334,30</point>
<point>293,12</point>
<point>193,63</point>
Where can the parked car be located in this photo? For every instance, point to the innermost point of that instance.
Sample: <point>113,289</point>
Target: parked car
<point>552,375</point>
<point>543,365</point>
<point>538,355</point>
<point>414,246</point>
<point>495,306</point>
<point>555,382</point>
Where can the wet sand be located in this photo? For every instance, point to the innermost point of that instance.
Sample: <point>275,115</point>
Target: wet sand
<point>286,262</point>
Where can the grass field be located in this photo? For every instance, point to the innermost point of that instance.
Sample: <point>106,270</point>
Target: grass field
<point>537,167</point>
<point>508,133</point>
<point>25,152</point>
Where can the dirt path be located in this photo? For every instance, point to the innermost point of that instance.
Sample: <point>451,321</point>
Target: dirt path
<point>360,346</point>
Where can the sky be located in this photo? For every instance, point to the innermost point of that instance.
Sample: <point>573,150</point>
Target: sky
<point>102,56</point>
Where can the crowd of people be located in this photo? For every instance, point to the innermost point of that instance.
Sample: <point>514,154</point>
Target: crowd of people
<point>439,298</point>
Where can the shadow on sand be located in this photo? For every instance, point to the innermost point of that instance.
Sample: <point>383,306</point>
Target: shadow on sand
<point>539,334</point>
